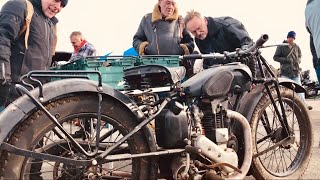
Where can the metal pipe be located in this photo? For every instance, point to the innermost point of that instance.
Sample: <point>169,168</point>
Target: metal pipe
<point>247,144</point>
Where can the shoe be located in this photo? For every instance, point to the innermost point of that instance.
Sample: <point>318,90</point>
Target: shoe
<point>310,107</point>
<point>78,134</point>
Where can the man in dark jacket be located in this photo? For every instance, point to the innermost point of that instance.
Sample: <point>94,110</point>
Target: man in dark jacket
<point>216,35</point>
<point>289,58</point>
<point>15,58</point>
<point>161,32</point>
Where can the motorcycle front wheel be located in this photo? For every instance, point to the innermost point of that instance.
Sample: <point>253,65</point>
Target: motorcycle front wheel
<point>38,133</point>
<point>289,160</point>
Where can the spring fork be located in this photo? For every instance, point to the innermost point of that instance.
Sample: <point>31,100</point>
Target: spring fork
<point>282,117</point>
<point>283,120</point>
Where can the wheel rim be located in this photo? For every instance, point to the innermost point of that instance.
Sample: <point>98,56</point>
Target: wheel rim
<point>283,160</point>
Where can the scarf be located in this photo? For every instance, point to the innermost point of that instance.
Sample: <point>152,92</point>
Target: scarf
<point>80,46</point>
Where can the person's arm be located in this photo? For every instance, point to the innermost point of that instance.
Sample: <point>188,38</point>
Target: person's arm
<point>12,17</point>
<point>140,39</point>
<point>279,57</point>
<point>187,42</point>
<point>299,54</point>
<point>90,50</point>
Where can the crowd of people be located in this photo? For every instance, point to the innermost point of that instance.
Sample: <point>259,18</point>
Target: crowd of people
<point>162,32</point>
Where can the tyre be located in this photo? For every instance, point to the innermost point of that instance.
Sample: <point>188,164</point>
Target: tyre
<point>287,161</point>
<point>38,133</point>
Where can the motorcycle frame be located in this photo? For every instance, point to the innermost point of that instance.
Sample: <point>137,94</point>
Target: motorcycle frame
<point>105,157</point>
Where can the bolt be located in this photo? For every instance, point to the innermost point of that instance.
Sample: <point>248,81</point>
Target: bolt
<point>14,108</point>
<point>91,176</point>
<point>100,89</point>
<point>94,162</point>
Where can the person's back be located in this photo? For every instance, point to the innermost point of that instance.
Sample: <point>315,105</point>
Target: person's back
<point>162,33</point>
<point>216,34</point>
<point>225,35</point>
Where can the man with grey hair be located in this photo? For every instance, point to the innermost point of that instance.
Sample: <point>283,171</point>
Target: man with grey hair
<point>216,34</point>
<point>82,48</point>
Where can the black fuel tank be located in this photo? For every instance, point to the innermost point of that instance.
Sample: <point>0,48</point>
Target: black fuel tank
<point>218,81</point>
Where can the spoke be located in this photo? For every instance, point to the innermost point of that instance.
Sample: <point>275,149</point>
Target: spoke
<point>267,156</point>
<point>285,163</point>
<point>272,158</point>
<point>276,160</point>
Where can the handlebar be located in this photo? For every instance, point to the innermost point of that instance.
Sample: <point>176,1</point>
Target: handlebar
<point>264,38</point>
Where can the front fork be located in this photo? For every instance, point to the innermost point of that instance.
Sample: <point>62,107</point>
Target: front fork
<point>282,116</point>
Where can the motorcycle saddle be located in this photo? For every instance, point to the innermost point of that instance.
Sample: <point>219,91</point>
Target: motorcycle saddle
<point>153,76</point>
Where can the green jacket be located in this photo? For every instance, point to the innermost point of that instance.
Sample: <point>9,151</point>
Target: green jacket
<point>289,63</point>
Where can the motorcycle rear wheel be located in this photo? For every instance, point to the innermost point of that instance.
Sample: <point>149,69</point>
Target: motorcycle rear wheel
<point>285,161</point>
<point>38,133</point>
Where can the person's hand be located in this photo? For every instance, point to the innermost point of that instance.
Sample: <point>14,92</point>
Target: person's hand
<point>185,49</point>
<point>142,47</point>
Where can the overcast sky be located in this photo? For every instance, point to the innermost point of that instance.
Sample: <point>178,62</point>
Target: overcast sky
<point>110,25</point>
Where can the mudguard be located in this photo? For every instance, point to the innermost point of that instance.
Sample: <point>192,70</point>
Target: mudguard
<point>17,111</point>
<point>250,100</point>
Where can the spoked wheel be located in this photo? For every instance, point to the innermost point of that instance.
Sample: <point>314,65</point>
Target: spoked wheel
<point>290,159</point>
<point>38,133</point>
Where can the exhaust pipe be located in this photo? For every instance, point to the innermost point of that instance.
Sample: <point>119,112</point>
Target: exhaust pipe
<point>247,144</point>
<point>225,155</point>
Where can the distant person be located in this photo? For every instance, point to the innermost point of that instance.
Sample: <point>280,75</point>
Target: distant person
<point>162,33</point>
<point>312,15</point>
<point>82,48</point>
<point>216,35</point>
<point>289,58</point>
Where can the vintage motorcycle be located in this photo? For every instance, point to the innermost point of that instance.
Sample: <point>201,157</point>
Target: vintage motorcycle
<point>310,86</point>
<point>222,123</point>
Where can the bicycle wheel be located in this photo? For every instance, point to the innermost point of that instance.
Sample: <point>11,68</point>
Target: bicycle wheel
<point>38,133</point>
<point>287,161</point>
